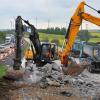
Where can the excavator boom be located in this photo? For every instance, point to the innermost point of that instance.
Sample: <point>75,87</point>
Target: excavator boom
<point>90,18</point>
<point>73,29</point>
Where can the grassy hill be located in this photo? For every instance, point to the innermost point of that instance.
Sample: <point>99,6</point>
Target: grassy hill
<point>96,37</point>
<point>50,37</point>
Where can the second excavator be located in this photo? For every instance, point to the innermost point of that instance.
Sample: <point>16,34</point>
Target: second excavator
<point>73,29</point>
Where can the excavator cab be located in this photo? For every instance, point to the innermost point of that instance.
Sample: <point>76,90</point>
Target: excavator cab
<point>48,51</point>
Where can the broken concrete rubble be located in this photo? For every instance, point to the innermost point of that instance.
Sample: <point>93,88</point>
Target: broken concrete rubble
<point>49,74</point>
<point>52,75</point>
<point>85,86</point>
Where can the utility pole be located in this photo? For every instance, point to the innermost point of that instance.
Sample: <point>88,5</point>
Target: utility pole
<point>48,23</point>
<point>81,27</point>
<point>86,26</point>
<point>36,21</point>
<point>48,26</point>
<point>11,24</point>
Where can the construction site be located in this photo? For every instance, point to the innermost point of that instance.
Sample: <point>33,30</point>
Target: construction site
<point>35,69</point>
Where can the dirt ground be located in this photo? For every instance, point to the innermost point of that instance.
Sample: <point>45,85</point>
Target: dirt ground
<point>10,91</point>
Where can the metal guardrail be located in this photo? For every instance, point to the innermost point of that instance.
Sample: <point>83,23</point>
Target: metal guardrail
<point>5,46</point>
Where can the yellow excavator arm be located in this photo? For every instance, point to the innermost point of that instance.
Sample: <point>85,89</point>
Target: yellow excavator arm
<point>90,18</point>
<point>73,30</point>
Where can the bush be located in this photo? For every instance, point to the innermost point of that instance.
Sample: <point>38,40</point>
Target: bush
<point>2,35</point>
<point>2,70</point>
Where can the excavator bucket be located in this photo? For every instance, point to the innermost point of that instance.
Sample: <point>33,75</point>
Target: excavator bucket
<point>73,69</point>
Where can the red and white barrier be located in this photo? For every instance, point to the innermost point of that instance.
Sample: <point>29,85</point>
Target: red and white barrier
<point>8,51</point>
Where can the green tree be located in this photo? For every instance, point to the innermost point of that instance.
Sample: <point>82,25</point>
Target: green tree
<point>52,30</point>
<point>63,30</point>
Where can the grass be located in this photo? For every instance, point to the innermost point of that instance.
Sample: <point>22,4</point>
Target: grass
<point>2,70</point>
<point>95,34</point>
<point>50,37</point>
<point>94,40</point>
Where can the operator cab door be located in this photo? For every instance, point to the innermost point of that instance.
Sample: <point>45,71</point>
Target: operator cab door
<point>49,52</point>
<point>54,52</point>
<point>46,52</point>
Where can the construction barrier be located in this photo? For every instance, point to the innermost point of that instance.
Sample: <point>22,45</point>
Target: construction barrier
<point>7,52</point>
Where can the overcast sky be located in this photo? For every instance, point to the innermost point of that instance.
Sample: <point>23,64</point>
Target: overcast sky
<point>58,12</point>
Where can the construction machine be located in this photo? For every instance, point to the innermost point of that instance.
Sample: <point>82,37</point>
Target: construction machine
<point>90,52</point>
<point>40,52</point>
<point>73,29</point>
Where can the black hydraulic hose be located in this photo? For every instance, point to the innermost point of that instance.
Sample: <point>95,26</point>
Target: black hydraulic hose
<point>68,30</point>
<point>93,8</point>
<point>34,37</point>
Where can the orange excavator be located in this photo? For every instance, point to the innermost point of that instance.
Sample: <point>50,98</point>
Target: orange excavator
<point>71,35</point>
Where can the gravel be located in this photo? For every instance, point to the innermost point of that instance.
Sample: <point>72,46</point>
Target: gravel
<point>86,84</point>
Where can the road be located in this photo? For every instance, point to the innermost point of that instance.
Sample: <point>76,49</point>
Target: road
<point>8,61</point>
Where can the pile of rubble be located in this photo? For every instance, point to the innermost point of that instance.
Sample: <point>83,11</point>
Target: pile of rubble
<point>52,75</point>
<point>49,74</point>
<point>84,86</point>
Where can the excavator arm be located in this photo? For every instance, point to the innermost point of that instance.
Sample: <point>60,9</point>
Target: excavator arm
<point>90,18</point>
<point>34,37</point>
<point>73,30</point>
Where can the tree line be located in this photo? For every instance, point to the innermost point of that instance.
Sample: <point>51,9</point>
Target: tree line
<point>56,30</point>
<point>83,35</point>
